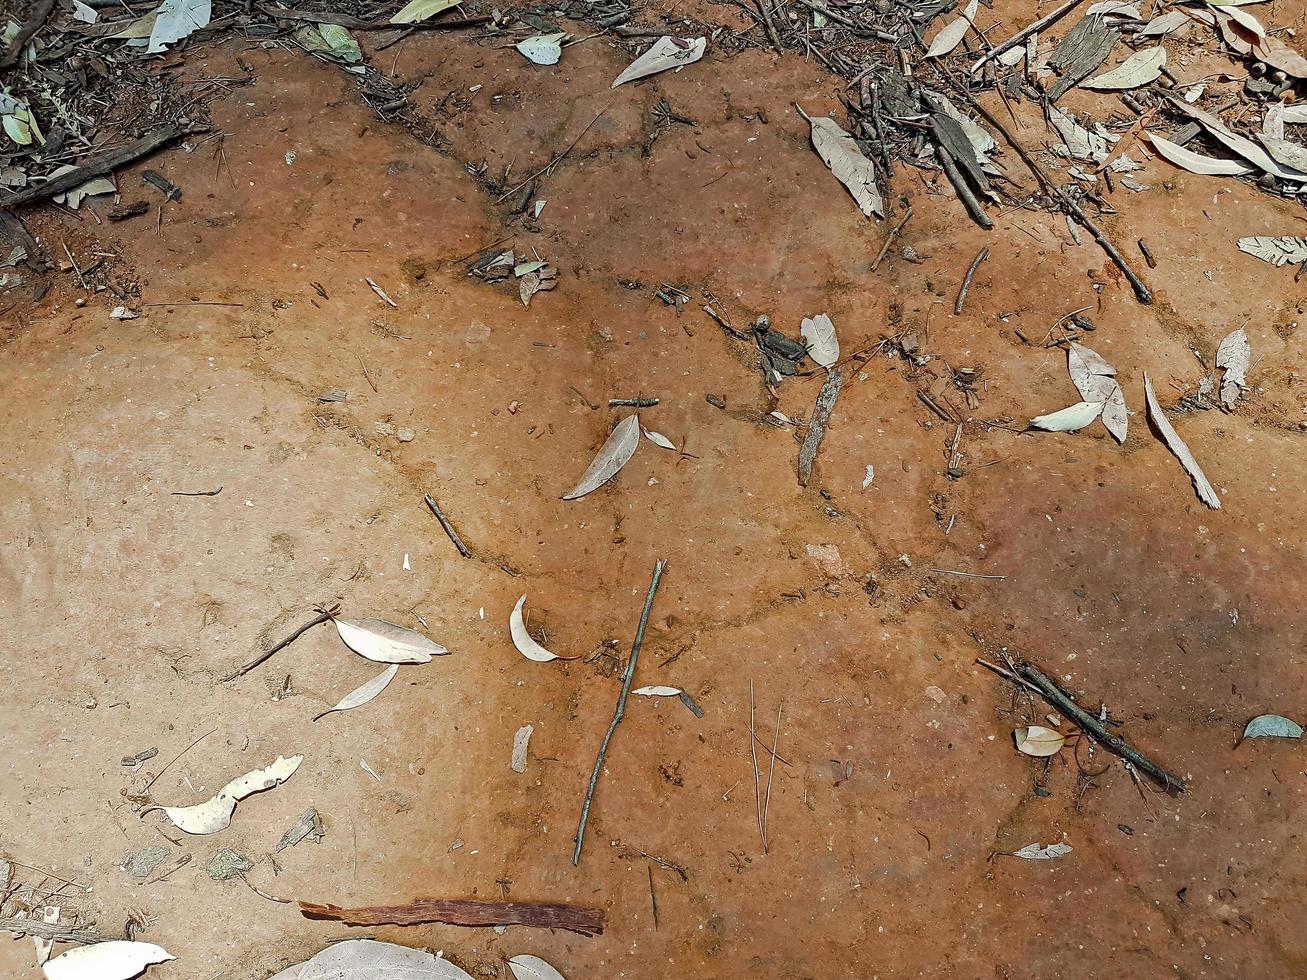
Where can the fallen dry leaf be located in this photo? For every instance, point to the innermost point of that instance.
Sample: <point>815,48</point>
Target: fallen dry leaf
<point>666,52</point>
<point>1195,163</point>
<point>1141,68</point>
<point>525,643</point>
<point>952,33</point>
<point>419,10</point>
<point>1272,726</point>
<point>823,345</point>
<point>1038,741</point>
<point>1070,419</point>
<point>215,813</point>
<point>1277,251</point>
<point>521,741</point>
<point>1038,852</point>
<point>1233,355</point>
<point>615,453</point>
<point>386,643</point>
<point>1206,493</point>
<point>658,691</point>
<point>839,151</point>
<point>117,960</point>
<point>367,959</point>
<point>528,967</point>
<point>363,693</point>
<point>658,439</point>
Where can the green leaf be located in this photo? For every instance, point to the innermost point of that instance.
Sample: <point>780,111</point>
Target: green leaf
<point>419,10</point>
<point>18,130</point>
<point>1272,726</point>
<point>331,40</point>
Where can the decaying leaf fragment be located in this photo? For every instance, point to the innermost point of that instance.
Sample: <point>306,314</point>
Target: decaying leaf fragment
<point>1272,726</point>
<point>1038,852</point>
<point>1277,251</point>
<point>176,20</point>
<point>542,49</point>
<point>658,691</point>
<point>666,52</point>
<point>1038,741</point>
<point>615,453</point>
<point>521,742</point>
<point>1070,419</point>
<point>840,152</point>
<point>367,959</point>
<point>658,439</point>
<point>118,960</point>
<point>1233,355</point>
<point>524,641</point>
<point>528,967</point>
<point>1095,379</point>
<point>1195,163</point>
<point>818,333</point>
<point>386,643</point>
<point>417,11</point>
<point>1206,493</point>
<point>364,692</point>
<point>214,814</point>
<point>952,33</point>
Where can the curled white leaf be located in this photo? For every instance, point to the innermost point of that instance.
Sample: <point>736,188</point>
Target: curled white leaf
<point>1070,419</point>
<point>1206,493</point>
<point>615,453</point>
<point>658,691</point>
<point>1195,163</point>
<point>528,967</point>
<point>364,692</point>
<point>117,960</point>
<point>1038,741</point>
<point>215,813</point>
<point>525,643</point>
<point>386,643</point>
<point>658,439</point>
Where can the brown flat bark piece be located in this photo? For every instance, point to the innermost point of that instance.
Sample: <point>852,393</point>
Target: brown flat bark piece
<point>463,912</point>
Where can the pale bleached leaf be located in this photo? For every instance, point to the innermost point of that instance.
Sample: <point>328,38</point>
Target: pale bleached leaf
<point>823,345</point>
<point>1115,416</point>
<point>419,10</point>
<point>1164,24</point>
<point>1083,363</point>
<point>839,151</point>
<point>1273,121</point>
<point>178,19</point>
<point>386,643</point>
<point>527,286</point>
<point>84,13</point>
<point>1081,143</point>
<point>1114,8</point>
<point>1240,145</point>
<point>1140,68</point>
<point>1272,726</point>
<point>528,967</point>
<point>1038,741</point>
<point>365,692</point>
<point>117,960</point>
<point>542,49</point>
<point>1206,493</point>
<point>1070,419</point>
<point>215,813</point>
<point>615,453</point>
<point>1195,163</point>
<point>1287,152</point>
<point>1233,355</point>
<point>658,439</point>
<point>1038,852</point>
<point>658,691</point>
<point>666,52</point>
<point>521,742</point>
<point>1277,251</point>
<point>367,959</point>
<point>525,643</point>
<point>952,33</point>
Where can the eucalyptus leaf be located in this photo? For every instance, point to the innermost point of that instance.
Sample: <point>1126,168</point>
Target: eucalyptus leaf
<point>1272,726</point>
<point>615,453</point>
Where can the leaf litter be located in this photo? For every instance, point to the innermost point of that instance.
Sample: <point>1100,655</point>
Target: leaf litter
<point>364,693</point>
<point>1038,741</point>
<point>215,813</point>
<point>1206,493</point>
<point>116,960</point>
<point>1038,852</point>
<point>665,53</point>
<point>524,641</point>
<point>840,152</point>
<point>1233,355</point>
<point>615,453</point>
<point>1272,726</point>
<point>386,643</point>
<point>818,333</point>
<point>528,967</point>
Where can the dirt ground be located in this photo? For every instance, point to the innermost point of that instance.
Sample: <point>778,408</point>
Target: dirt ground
<point>896,780</point>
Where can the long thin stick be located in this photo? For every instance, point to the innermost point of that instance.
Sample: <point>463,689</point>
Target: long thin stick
<point>889,240</point>
<point>317,620</point>
<point>518,187</point>
<point>659,565</point>
<point>1045,21</point>
<point>175,758</point>
<point>757,776</point>
<point>771,771</point>
<point>966,282</point>
<point>449,528</point>
<point>95,166</point>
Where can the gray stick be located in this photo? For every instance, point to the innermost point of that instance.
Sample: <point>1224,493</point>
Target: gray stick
<point>629,676</point>
<point>821,412</point>
<point>449,528</point>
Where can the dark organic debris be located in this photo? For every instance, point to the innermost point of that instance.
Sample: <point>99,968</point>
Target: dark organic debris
<point>465,912</point>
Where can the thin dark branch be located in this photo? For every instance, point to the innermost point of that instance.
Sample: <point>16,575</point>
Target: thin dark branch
<point>966,282</point>
<point>317,620</point>
<point>449,528</point>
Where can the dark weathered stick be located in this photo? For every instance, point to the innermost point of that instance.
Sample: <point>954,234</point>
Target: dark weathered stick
<point>49,930</point>
<point>632,402</point>
<point>1048,19</point>
<point>95,167</point>
<point>966,282</point>
<point>317,620</point>
<point>12,229</point>
<point>771,28</point>
<point>449,528</point>
<point>1142,292</point>
<point>889,240</point>
<point>15,50</point>
<point>1059,699</point>
<point>821,412</point>
<point>659,565</point>
<point>465,912</point>
<point>195,493</point>
<point>960,187</point>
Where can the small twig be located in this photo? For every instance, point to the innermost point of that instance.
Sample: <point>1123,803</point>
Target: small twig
<point>555,160</point>
<point>174,759</point>
<point>48,874</point>
<point>317,620</point>
<point>966,282</point>
<point>889,240</point>
<point>632,402</point>
<point>821,413</point>
<point>367,377</point>
<point>960,188</point>
<point>195,493</point>
<point>95,167</point>
<point>1004,672</point>
<point>769,26</point>
<point>950,571</point>
<point>757,774</point>
<point>653,899</point>
<point>620,712</point>
<point>261,893</point>
<point>1047,20</point>
<point>1147,253</point>
<point>449,528</point>
<point>771,772</point>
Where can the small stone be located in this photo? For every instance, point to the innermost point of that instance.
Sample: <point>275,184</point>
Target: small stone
<point>228,864</point>
<point>79,302</point>
<point>936,694</point>
<point>404,435</point>
<point>958,602</point>
<point>142,864</point>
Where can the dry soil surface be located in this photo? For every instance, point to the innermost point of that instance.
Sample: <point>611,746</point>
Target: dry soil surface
<point>896,786</point>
